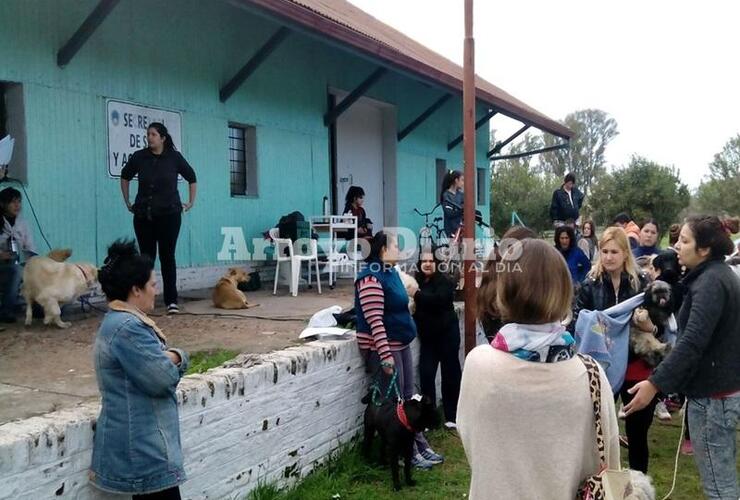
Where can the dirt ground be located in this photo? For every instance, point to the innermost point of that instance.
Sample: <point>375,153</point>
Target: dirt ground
<point>43,368</point>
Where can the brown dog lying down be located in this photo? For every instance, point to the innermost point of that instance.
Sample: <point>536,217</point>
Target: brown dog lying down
<point>50,282</point>
<point>226,295</point>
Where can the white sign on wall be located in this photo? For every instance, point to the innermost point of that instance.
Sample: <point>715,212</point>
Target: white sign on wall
<point>127,124</point>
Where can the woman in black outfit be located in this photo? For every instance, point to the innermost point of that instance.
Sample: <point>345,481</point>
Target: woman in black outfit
<point>157,209</point>
<point>439,335</point>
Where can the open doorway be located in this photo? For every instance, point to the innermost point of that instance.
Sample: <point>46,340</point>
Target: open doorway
<point>364,154</point>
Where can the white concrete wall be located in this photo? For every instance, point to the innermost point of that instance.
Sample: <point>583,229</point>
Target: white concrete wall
<point>262,418</point>
<point>268,418</point>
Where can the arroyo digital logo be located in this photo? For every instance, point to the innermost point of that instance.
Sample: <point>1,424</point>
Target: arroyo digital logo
<point>234,247</point>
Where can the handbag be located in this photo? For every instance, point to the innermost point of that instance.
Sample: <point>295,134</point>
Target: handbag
<point>608,484</point>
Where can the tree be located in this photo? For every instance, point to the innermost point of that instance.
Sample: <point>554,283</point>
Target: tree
<point>720,192</point>
<point>516,185</point>
<point>644,189</point>
<point>593,130</point>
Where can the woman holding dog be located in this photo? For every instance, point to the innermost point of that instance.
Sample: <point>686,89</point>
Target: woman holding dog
<point>614,279</point>
<point>525,413</point>
<point>439,335</point>
<point>157,209</point>
<point>705,363</point>
<point>385,329</point>
<point>136,448</point>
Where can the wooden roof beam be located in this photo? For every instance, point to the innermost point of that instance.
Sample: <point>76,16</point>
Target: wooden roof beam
<point>254,62</point>
<point>484,119</point>
<point>334,113</point>
<point>85,31</point>
<point>423,117</point>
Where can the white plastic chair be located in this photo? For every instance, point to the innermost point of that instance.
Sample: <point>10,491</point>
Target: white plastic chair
<point>295,261</point>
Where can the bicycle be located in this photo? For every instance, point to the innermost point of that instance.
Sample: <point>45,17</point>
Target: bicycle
<point>453,261</point>
<point>427,238</point>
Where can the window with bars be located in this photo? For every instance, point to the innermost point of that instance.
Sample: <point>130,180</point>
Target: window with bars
<point>243,160</point>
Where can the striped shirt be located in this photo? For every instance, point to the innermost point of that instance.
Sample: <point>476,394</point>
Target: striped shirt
<point>372,302</point>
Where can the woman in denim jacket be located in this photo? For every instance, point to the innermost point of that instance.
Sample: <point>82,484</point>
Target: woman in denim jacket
<point>137,438</point>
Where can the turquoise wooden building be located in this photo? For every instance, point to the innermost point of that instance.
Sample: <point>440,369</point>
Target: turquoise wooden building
<point>279,103</point>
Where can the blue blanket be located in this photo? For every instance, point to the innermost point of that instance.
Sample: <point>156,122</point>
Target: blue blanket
<point>604,335</point>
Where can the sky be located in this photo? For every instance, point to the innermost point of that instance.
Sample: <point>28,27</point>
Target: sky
<point>667,72</point>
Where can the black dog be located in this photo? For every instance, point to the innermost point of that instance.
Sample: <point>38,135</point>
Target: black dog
<point>659,302</point>
<point>653,348</point>
<point>666,263</point>
<point>396,423</point>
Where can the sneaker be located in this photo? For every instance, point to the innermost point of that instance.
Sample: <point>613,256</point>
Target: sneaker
<point>662,412</point>
<point>687,448</point>
<point>623,442</point>
<point>451,426</point>
<point>430,456</point>
<point>173,309</point>
<point>420,462</point>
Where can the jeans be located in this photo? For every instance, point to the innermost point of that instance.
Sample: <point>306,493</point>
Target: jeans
<point>404,380</point>
<point>713,424</point>
<point>10,279</point>
<point>162,231</point>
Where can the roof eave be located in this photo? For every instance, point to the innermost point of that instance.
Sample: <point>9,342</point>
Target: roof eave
<point>312,22</point>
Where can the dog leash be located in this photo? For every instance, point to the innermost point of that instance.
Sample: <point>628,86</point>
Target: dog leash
<point>393,385</point>
<point>684,409</point>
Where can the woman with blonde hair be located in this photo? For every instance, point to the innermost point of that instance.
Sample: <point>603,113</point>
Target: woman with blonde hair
<point>525,406</point>
<point>615,278</point>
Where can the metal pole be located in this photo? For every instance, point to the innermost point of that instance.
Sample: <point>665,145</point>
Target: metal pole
<point>469,171</point>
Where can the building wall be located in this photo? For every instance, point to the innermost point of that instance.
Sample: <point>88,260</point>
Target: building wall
<point>176,55</point>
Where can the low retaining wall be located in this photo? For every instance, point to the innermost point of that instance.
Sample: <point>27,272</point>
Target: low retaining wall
<point>269,418</point>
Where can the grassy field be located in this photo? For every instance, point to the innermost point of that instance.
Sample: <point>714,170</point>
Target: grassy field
<point>349,477</point>
<point>202,361</point>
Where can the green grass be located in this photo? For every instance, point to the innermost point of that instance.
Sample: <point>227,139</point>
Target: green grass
<point>350,477</point>
<point>202,361</point>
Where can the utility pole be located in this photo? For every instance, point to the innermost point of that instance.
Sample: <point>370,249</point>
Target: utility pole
<point>469,171</point>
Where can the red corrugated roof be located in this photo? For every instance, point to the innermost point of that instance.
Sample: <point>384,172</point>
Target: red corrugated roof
<point>347,24</point>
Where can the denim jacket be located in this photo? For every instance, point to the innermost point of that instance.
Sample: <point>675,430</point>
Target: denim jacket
<point>137,437</point>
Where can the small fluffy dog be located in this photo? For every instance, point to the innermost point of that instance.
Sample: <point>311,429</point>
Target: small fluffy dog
<point>642,487</point>
<point>226,294</point>
<point>49,281</point>
<point>658,307</point>
<point>411,285</point>
<point>396,423</point>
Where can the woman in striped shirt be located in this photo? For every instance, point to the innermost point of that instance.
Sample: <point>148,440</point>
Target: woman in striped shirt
<point>385,328</point>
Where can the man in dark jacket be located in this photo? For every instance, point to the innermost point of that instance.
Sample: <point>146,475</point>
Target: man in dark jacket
<point>566,202</point>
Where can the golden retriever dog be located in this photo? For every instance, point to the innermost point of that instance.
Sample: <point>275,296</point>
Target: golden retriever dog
<point>50,282</point>
<point>226,295</point>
